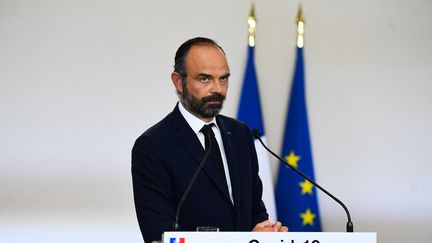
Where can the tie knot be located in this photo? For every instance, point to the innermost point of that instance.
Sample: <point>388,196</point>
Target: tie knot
<point>207,129</point>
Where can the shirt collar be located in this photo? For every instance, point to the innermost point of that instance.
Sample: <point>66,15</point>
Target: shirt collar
<point>194,122</point>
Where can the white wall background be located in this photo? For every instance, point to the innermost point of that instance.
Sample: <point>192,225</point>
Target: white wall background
<point>80,80</point>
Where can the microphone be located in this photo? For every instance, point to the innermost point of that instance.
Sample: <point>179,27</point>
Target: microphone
<point>176,225</point>
<point>349,226</point>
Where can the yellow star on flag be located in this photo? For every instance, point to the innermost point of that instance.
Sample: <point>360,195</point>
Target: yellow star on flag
<point>308,217</point>
<point>306,187</point>
<point>292,159</point>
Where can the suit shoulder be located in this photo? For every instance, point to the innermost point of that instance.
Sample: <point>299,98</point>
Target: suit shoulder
<point>232,122</point>
<point>159,131</point>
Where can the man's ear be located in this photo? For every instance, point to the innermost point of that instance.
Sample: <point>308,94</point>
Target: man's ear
<point>177,81</point>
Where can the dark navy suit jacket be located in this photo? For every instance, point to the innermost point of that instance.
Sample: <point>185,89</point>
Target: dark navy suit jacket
<point>164,160</point>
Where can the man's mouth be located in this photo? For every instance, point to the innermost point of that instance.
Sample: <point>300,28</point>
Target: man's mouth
<point>215,99</point>
<point>214,102</point>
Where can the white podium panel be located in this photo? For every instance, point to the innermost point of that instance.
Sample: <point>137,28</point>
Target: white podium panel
<point>267,237</point>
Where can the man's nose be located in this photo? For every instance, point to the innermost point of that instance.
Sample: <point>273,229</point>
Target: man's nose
<point>217,86</point>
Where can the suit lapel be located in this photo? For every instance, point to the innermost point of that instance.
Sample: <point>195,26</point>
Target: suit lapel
<point>231,156</point>
<point>186,136</point>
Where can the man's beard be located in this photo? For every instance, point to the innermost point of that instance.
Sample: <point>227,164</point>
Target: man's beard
<point>201,107</point>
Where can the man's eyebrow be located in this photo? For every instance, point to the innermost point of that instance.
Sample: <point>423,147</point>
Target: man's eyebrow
<point>226,75</point>
<point>204,75</point>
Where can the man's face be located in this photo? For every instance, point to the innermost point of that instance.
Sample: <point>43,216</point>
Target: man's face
<point>207,81</point>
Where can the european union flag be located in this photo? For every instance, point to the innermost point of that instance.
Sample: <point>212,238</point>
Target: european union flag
<point>250,113</point>
<point>296,199</point>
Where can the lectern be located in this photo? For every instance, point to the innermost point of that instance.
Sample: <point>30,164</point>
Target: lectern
<point>267,237</point>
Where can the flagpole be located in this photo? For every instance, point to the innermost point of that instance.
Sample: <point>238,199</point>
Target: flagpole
<point>296,198</point>
<point>300,27</point>
<point>300,44</point>
<point>250,113</point>
<point>252,26</point>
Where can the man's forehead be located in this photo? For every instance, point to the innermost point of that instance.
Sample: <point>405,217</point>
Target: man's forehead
<point>206,57</point>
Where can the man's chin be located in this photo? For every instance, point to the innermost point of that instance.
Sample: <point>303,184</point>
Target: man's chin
<point>210,111</point>
<point>214,107</point>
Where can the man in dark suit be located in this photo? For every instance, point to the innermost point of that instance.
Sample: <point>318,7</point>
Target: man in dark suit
<point>227,193</point>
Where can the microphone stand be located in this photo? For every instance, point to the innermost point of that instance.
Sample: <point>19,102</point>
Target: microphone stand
<point>349,226</point>
<point>176,225</point>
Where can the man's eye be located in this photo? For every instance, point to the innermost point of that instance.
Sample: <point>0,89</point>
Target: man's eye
<point>224,79</point>
<point>204,79</point>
